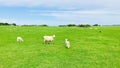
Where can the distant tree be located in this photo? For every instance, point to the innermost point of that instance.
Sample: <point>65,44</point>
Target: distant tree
<point>96,25</point>
<point>71,25</point>
<point>1,23</point>
<point>29,25</point>
<point>6,24</point>
<point>43,25</point>
<point>13,24</point>
<point>62,25</point>
<point>84,25</point>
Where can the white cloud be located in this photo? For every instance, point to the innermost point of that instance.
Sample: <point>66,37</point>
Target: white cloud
<point>94,16</point>
<point>73,13</point>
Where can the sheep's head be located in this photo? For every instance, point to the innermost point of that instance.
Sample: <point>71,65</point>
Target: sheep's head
<point>53,36</point>
<point>66,39</point>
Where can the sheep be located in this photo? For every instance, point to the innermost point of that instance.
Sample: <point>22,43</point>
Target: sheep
<point>19,39</point>
<point>67,43</point>
<point>48,39</point>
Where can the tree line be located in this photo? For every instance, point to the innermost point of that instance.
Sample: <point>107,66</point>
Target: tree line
<point>7,24</point>
<point>80,25</point>
<point>68,25</point>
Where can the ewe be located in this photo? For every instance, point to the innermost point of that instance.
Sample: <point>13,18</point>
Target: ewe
<point>48,39</point>
<point>67,43</point>
<point>19,39</point>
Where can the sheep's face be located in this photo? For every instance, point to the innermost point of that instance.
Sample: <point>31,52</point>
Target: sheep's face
<point>53,36</point>
<point>19,39</point>
<point>66,39</point>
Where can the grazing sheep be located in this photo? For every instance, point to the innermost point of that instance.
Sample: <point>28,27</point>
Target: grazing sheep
<point>19,39</point>
<point>48,39</point>
<point>67,43</point>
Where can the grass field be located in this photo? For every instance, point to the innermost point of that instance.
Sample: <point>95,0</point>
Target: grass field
<point>89,47</point>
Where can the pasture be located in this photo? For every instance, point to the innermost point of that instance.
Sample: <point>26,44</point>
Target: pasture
<point>89,47</point>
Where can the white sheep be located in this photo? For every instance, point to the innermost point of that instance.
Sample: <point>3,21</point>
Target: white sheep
<point>19,39</point>
<point>67,43</point>
<point>48,39</point>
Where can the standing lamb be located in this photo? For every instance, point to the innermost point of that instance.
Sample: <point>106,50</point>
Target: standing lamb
<point>48,39</point>
<point>19,39</point>
<point>67,43</point>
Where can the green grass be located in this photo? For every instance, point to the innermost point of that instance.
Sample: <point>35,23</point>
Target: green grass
<point>89,48</point>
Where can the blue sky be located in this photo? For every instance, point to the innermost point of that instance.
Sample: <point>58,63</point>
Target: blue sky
<point>58,12</point>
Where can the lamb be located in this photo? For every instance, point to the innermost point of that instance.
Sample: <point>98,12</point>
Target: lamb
<point>48,39</point>
<point>67,43</point>
<point>19,39</point>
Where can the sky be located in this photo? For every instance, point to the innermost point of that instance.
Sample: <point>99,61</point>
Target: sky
<point>60,12</point>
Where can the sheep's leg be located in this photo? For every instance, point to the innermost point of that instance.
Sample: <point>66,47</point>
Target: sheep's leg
<point>46,42</point>
<point>20,41</point>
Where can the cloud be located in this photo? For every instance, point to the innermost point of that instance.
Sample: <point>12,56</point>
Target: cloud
<point>73,14</point>
<point>66,4</point>
<point>78,16</point>
<point>68,10</point>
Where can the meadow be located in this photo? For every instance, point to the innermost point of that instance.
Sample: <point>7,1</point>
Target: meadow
<point>89,47</point>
